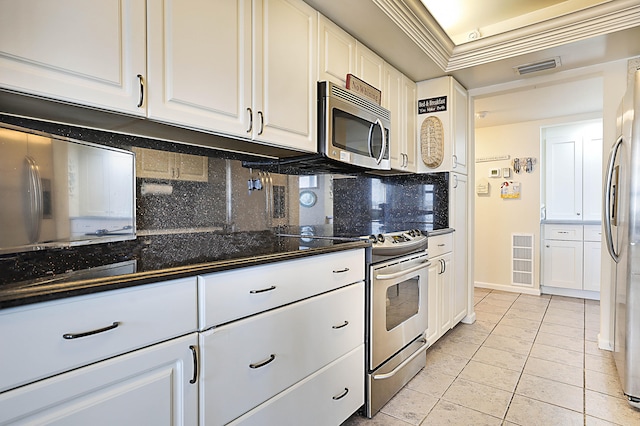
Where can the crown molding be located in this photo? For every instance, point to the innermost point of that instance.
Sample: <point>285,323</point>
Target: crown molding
<point>414,19</point>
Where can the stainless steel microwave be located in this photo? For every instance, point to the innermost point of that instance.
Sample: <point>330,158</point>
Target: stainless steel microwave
<point>352,129</point>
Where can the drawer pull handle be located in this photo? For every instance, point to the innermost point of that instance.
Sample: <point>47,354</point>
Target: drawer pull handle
<point>342,395</point>
<point>273,287</point>
<point>441,245</point>
<point>194,352</point>
<point>340,271</point>
<point>263,363</point>
<point>335,327</point>
<point>70,336</point>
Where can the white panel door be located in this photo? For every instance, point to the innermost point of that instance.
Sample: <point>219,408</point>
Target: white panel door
<point>200,64</point>
<point>562,262</point>
<point>285,73</point>
<point>458,214</point>
<point>591,270</point>
<point>459,127</point>
<point>392,99</point>
<point>592,177</point>
<point>83,52</point>
<point>563,180</point>
<point>369,66</point>
<point>337,52</point>
<point>150,386</point>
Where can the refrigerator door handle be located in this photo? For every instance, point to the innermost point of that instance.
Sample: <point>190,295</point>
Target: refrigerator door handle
<point>607,201</point>
<point>34,199</point>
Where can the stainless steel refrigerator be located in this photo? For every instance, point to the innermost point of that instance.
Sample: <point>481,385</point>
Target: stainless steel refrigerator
<point>622,232</point>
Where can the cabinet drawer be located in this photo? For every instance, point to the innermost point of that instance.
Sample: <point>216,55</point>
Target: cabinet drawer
<point>226,296</point>
<point>327,397</point>
<point>33,346</point>
<point>592,233</point>
<point>247,362</point>
<point>440,244</point>
<point>563,232</point>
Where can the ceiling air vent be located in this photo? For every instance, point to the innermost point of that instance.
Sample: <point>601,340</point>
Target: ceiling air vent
<point>547,64</point>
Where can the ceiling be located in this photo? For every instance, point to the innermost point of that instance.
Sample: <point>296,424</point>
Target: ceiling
<point>464,21</point>
<point>426,43</point>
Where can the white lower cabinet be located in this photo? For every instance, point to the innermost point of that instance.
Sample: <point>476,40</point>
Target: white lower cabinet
<point>333,391</point>
<point>441,291</point>
<point>571,260</point>
<point>247,362</point>
<point>150,386</point>
<point>106,358</point>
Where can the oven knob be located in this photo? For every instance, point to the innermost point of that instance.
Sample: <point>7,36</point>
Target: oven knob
<point>418,232</point>
<point>373,239</point>
<point>412,233</point>
<point>381,238</point>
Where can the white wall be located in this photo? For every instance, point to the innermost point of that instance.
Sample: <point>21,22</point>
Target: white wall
<point>496,219</point>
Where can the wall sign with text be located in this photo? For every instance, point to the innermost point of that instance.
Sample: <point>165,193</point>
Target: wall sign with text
<point>431,105</point>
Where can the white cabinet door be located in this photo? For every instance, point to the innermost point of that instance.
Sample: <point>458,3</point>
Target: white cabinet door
<point>247,362</point>
<point>327,397</point>
<point>200,64</point>
<point>459,127</point>
<point>94,61</point>
<point>399,97</point>
<point>285,73</point>
<point>563,177</point>
<point>562,262</point>
<point>592,177</point>
<point>445,293</point>
<point>150,386</point>
<point>337,52</point>
<point>591,271</point>
<point>229,67</point>
<point>433,330</point>
<point>369,66</point>
<point>458,217</point>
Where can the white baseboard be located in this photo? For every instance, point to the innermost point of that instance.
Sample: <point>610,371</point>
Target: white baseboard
<point>582,294</point>
<point>508,288</point>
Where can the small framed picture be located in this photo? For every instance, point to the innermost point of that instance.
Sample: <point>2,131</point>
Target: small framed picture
<point>506,172</point>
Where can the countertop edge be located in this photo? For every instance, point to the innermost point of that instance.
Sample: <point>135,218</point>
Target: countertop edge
<point>30,294</point>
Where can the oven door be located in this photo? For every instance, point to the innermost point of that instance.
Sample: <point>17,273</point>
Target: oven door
<point>399,303</point>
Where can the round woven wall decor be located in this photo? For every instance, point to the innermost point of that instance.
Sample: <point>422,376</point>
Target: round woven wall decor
<point>432,142</point>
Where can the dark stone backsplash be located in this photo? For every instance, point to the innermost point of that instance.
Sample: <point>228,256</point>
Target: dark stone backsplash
<point>360,205</point>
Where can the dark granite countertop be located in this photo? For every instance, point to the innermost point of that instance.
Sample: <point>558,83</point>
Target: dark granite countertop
<point>149,260</point>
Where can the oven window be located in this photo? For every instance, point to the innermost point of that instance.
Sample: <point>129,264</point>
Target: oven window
<point>403,302</point>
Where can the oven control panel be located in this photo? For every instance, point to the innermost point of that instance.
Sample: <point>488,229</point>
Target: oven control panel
<point>397,243</point>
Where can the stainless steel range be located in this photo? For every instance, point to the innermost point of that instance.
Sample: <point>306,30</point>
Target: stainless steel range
<point>396,309</point>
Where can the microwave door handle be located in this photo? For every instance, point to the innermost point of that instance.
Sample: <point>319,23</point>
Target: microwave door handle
<point>34,194</point>
<point>607,201</point>
<point>384,141</point>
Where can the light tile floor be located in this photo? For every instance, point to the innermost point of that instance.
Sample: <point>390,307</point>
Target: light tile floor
<point>527,360</point>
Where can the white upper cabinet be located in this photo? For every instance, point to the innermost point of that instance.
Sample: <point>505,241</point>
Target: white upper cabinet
<point>399,97</point>
<point>86,52</point>
<point>336,52</point>
<point>285,73</point>
<point>442,126</point>
<point>200,64</point>
<point>369,66</point>
<point>228,67</point>
<point>573,172</point>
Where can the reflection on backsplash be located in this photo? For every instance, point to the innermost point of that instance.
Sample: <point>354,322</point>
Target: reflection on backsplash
<point>228,210</point>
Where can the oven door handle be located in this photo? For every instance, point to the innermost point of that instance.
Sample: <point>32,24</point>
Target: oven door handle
<point>403,363</point>
<point>403,272</point>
